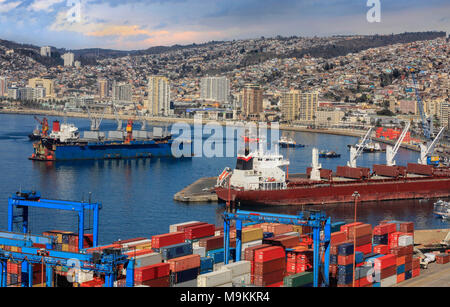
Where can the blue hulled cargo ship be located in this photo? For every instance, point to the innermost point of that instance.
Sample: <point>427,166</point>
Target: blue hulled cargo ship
<point>64,144</point>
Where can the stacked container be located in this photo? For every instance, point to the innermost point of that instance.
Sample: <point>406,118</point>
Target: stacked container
<point>156,275</point>
<point>269,266</point>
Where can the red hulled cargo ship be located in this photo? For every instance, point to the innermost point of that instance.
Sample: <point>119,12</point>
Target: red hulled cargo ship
<point>259,179</point>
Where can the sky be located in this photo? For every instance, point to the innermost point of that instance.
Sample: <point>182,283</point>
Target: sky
<point>140,24</point>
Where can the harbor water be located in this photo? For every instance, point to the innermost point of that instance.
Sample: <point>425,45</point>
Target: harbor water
<point>137,195</point>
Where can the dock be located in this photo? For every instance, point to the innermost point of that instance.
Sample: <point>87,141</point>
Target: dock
<point>437,275</point>
<point>201,191</point>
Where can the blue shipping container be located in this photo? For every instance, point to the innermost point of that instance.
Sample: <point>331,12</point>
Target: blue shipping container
<point>176,251</point>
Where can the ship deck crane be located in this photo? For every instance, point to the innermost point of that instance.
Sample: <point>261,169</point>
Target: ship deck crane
<point>317,220</point>
<point>118,120</point>
<point>143,121</point>
<point>428,150</point>
<point>95,122</point>
<point>356,152</point>
<point>391,152</point>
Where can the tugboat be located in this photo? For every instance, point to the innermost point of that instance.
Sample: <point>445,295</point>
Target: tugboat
<point>328,154</point>
<point>369,147</point>
<point>442,209</point>
<point>286,142</point>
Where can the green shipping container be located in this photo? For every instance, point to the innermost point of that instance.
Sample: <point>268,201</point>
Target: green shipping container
<point>298,280</point>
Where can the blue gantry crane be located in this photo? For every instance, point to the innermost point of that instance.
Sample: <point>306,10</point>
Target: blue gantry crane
<point>105,262</point>
<point>318,221</point>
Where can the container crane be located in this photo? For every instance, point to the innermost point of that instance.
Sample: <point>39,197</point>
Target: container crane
<point>391,152</point>
<point>427,150</point>
<point>426,121</point>
<point>356,152</point>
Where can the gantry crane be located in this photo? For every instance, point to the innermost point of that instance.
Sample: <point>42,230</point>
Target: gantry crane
<point>391,152</point>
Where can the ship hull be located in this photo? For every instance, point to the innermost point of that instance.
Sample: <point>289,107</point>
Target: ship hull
<point>325,193</point>
<point>103,150</point>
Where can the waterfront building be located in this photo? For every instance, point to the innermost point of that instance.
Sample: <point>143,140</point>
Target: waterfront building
<point>13,93</point>
<point>158,102</point>
<point>215,89</point>
<point>252,101</point>
<point>26,93</point>
<point>48,84</point>
<point>297,105</point>
<point>46,51</point>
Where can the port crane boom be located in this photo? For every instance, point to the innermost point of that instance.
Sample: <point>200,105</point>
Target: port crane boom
<point>428,150</point>
<point>391,152</point>
<point>356,152</point>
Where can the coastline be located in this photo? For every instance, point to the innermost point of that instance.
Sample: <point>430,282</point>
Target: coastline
<point>171,120</point>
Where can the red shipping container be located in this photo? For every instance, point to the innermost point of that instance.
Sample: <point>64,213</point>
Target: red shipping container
<point>381,249</point>
<point>151,272</point>
<point>338,237</point>
<point>129,240</point>
<point>384,229</point>
<point>270,278</point>
<point>345,228</point>
<point>365,249</point>
<point>415,272</point>
<point>345,260</point>
<point>269,253</point>
<point>400,277</point>
<point>207,230</point>
<point>184,263</point>
<point>386,272</point>
<point>363,230</point>
<point>183,227</point>
<point>262,268</point>
<point>162,282</point>
<point>407,227</point>
<point>167,239</point>
<point>384,262</point>
<point>416,263</point>
<point>361,241</point>
<point>14,268</point>
<point>100,248</point>
<point>363,282</point>
<point>135,253</point>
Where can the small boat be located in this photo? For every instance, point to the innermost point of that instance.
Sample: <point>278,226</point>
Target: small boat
<point>328,154</point>
<point>285,142</point>
<point>442,209</point>
<point>370,147</point>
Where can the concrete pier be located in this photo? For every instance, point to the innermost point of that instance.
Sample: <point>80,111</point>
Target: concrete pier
<point>201,191</point>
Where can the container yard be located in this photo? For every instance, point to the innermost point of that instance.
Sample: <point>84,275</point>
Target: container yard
<point>251,250</point>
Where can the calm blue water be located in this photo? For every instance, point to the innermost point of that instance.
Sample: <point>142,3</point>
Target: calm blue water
<point>137,195</point>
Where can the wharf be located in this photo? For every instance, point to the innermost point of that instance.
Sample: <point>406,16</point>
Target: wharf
<point>437,275</point>
<point>201,191</point>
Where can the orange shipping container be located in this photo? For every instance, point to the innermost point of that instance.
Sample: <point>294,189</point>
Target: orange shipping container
<point>184,263</point>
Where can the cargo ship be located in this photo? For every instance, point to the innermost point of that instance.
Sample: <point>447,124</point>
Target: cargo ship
<point>260,178</point>
<point>64,143</point>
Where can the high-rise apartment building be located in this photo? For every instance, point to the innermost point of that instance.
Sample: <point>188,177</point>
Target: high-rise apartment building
<point>46,51</point>
<point>103,88</point>
<point>158,102</point>
<point>296,105</point>
<point>3,86</point>
<point>48,84</point>
<point>215,89</point>
<point>252,101</point>
<point>69,59</point>
<point>122,92</point>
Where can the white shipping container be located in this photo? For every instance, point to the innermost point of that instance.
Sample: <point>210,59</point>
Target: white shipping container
<point>199,251</point>
<point>214,279</point>
<point>83,276</point>
<point>250,244</point>
<point>293,233</point>
<point>148,259</point>
<point>389,282</point>
<point>405,241</point>
<point>187,284</point>
<point>173,228</point>
<point>238,268</point>
<point>196,244</point>
<point>227,285</point>
<point>242,280</point>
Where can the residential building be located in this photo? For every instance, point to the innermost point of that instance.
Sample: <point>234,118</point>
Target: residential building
<point>296,105</point>
<point>122,92</point>
<point>103,88</point>
<point>46,51</point>
<point>48,84</point>
<point>158,102</point>
<point>215,89</point>
<point>3,86</point>
<point>68,58</point>
<point>252,101</point>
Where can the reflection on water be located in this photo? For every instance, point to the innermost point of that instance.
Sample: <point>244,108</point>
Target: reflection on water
<point>137,195</point>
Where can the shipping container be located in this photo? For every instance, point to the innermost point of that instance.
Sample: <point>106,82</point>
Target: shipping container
<point>214,279</point>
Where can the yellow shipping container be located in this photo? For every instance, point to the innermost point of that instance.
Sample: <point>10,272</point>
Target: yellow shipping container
<point>298,228</point>
<point>252,234</point>
<point>144,246</point>
<point>59,238</point>
<point>65,247</point>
